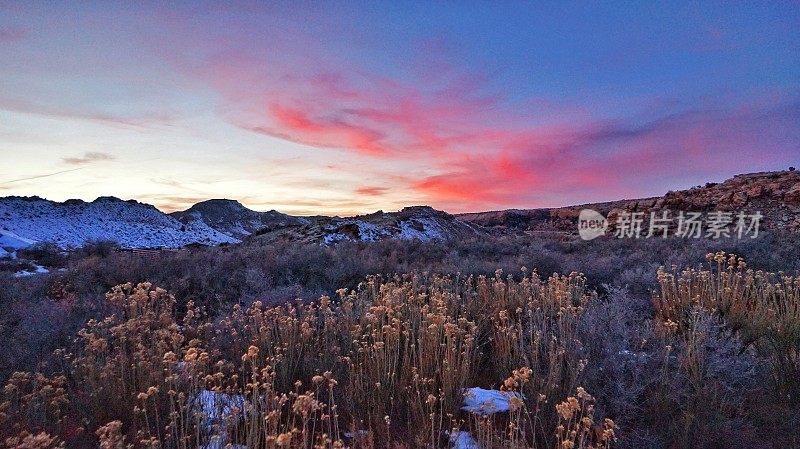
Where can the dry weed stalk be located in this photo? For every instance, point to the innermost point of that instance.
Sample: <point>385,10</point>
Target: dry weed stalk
<point>763,309</point>
<point>404,349</point>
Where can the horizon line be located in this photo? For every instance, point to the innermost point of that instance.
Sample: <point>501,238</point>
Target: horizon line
<point>167,212</point>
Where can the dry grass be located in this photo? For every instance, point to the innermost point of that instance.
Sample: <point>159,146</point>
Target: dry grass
<point>383,365</point>
<point>763,309</point>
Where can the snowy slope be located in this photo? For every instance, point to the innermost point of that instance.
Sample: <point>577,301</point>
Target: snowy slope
<point>26,220</point>
<point>12,241</point>
<point>411,223</point>
<point>233,219</point>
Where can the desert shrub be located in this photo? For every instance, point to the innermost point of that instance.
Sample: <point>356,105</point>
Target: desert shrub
<point>97,248</point>
<point>44,253</point>
<point>620,342</point>
<point>222,276</point>
<point>731,328</point>
<point>726,370</point>
<point>11,266</point>
<point>763,309</point>
<point>707,377</point>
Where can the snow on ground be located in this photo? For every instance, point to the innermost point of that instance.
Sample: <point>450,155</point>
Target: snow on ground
<point>215,409</point>
<point>367,232</point>
<point>9,239</point>
<point>430,230</point>
<point>485,402</point>
<point>73,223</point>
<point>358,434</point>
<point>329,239</point>
<point>370,232</point>
<point>481,402</point>
<point>463,440</point>
<point>420,228</point>
<point>39,270</point>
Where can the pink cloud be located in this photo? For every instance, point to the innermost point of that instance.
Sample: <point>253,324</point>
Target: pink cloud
<point>472,146</point>
<point>487,162</point>
<point>607,161</point>
<point>371,191</point>
<point>299,126</point>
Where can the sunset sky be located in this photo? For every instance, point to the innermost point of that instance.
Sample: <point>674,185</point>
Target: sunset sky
<point>350,107</point>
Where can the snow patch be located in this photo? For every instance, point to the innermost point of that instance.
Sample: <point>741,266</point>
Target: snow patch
<point>367,232</point>
<point>370,232</point>
<point>330,239</point>
<point>486,402</point>
<point>215,407</point>
<point>214,410</point>
<point>39,270</point>
<point>463,440</point>
<point>9,239</point>
<point>355,435</point>
<point>423,229</point>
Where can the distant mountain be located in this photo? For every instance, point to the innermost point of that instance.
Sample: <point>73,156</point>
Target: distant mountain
<point>233,219</point>
<point>27,220</point>
<point>775,194</point>
<point>417,222</point>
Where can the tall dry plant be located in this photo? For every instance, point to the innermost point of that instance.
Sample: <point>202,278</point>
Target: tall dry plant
<point>384,365</point>
<point>763,309</point>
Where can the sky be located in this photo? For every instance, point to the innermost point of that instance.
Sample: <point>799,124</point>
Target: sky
<point>351,107</point>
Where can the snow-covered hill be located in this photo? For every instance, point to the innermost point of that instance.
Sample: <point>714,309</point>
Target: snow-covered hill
<point>411,223</point>
<point>417,222</point>
<point>27,220</point>
<point>233,219</point>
